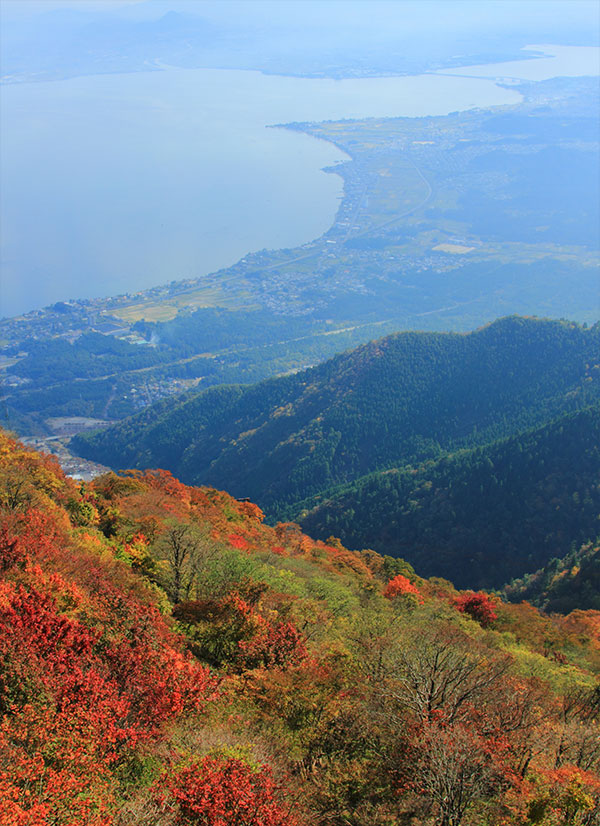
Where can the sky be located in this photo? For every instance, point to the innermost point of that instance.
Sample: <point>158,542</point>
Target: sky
<point>471,12</point>
<point>25,8</point>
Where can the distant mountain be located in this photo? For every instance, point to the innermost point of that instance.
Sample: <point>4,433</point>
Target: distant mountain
<point>71,42</point>
<point>407,398</point>
<point>481,516</point>
<point>88,39</point>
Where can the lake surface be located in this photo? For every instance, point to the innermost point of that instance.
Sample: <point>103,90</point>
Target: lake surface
<point>557,61</point>
<point>117,183</point>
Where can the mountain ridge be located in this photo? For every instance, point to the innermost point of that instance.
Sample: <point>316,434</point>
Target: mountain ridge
<point>402,399</point>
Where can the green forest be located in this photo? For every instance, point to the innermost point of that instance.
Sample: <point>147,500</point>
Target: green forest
<point>563,584</point>
<point>481,516</point>
<point>421,413</point>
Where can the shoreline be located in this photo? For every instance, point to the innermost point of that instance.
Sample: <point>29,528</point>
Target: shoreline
<point>183,286</point>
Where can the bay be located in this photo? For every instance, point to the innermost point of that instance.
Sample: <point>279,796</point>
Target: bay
<point>112,184</point>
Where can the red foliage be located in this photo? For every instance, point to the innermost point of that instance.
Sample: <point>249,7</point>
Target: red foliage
<point>399,586</point>
<point>46,775</point>
<point>130,688</point>
<point>12,551</point>
<point>238,541</point>
<point>29,535</point>
<point>221,792</point>
<point>159,685</point>
<point>75,702</point>
<point>274,646</point>
<point>239,605</point>
<point>479,606</point>
<point>88,667</point>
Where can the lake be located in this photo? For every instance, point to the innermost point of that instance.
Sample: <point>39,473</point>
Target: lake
<point>116,183</point>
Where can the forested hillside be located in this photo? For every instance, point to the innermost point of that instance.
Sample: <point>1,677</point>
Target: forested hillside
<point>564,584</point>
<point>403,399</point>
<point>480,516</point>
<point>89,374</point>
<point>167,659</point>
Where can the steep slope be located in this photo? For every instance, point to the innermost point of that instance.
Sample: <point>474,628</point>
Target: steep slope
<point>481,516</point>
<point>405,398</point>
<point>344,688</point>
<point>563,584</point>
<point>92,676</point>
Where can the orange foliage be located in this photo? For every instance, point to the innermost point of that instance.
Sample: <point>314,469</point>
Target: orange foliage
<point>238,541</point>
<point>91,674</point>
<point>251,511</point>
<point>88,667</point>
<point>401,586</point>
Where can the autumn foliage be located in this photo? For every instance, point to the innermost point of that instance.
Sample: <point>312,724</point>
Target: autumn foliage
<point>89,670</point>
<point>168,659</point>
<point>401,586</point>
<point>479,606</point>
<point>215,792</point>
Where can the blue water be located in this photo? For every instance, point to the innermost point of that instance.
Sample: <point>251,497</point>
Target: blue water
<point>116,183</point>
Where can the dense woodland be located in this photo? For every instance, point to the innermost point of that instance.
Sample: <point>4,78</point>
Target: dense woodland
<point>399,445</point>
<point>480,516</point>
<point>563,584</point>
<point>180,662</point>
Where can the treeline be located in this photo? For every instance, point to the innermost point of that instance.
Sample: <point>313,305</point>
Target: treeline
<point>483,516</point>
<point>91,356</point>
<point>211,329</point>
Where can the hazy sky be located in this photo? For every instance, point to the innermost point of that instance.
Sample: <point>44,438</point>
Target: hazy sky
<point>21,8</point>
<point>471,12</point>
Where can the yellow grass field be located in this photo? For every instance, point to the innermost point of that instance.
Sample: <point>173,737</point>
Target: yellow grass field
<point>168,309</point>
